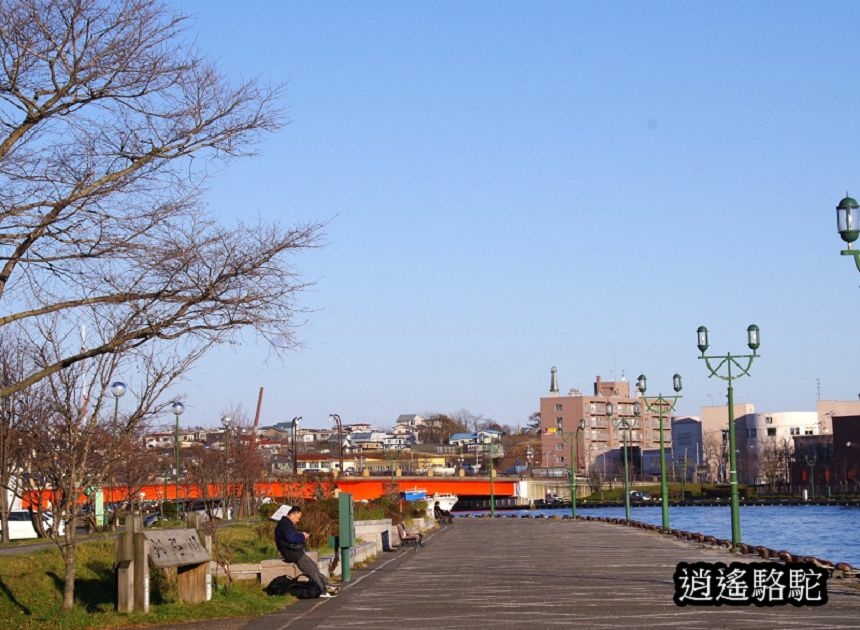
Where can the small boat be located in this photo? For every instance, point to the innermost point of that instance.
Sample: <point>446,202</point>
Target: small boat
<point>446,499</point>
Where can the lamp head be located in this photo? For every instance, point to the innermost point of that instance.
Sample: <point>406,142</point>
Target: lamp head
<point>702,335</point>
<point>676,382</point>
<point>117,388</point>
<point>641,383</point>
<point>610,409</point>
<point>177,408</point>
<point>637,409</point>
<point>848,220</point>
<point>753,337</point>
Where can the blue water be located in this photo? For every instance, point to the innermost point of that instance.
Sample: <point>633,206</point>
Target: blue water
<point>826,532</point>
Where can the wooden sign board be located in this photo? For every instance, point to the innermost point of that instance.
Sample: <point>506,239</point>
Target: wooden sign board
<point>175,548</point>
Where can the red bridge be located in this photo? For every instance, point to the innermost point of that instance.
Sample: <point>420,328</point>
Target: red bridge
<point>306,488</point>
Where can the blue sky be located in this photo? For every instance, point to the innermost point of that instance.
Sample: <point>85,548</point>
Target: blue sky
<point>512,186</point>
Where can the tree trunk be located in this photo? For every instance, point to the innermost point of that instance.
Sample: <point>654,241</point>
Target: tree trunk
<point>4,513</point>
<point>69,555</point>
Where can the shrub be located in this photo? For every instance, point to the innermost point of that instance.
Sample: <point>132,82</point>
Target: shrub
<point>267,509</point>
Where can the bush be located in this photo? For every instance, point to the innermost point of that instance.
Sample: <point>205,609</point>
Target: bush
<point>369,512</point>
<point>267,509</point>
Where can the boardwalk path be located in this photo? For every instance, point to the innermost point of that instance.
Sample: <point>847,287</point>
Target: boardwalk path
<point>542,573</point>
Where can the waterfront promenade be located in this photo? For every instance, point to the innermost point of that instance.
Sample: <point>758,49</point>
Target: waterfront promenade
<point>541,573</point>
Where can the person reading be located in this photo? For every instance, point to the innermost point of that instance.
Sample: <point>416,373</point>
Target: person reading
<point>291,545</point>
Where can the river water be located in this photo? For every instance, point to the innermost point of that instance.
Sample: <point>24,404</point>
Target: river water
<point>823,531</point>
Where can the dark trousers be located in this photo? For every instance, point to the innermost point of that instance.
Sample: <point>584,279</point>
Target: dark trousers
<point>310,568</point>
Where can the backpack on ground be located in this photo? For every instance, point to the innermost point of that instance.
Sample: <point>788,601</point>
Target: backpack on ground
<point>301,587</point>
<point>280,585</point>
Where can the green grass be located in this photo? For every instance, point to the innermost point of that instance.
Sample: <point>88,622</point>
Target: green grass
<point>31,587</point>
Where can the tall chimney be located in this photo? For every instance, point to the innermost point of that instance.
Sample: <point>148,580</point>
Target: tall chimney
<point>553,381</point>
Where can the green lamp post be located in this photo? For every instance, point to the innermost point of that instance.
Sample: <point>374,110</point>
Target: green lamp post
<point>848,226</point>
<point>491,450</point>
<point>661,405</point>
<point>177,408</point>
<point>117,389</point>
<point>573,436</point>
<point>743,362</point>
<point>626,424</point>
<point>811,459</point>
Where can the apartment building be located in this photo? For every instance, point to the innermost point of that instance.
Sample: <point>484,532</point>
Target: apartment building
<point>600,440</point>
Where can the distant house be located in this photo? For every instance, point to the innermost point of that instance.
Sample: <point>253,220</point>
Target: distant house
<point>475,439</point>
<point>411,420</point>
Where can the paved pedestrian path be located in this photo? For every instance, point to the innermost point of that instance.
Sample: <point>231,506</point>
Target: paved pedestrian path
<point>542,573</point>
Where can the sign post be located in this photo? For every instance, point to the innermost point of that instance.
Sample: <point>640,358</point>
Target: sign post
<point>346,537</point>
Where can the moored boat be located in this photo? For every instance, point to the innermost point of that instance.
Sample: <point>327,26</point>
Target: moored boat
<point>446,500</point>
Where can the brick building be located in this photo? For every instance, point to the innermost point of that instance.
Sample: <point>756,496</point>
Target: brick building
<point>599,441</point>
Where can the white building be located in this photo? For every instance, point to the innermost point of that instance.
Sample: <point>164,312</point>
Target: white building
<point>765,443</point>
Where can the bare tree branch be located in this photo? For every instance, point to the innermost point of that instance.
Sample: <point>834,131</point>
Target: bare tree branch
<point>107,123</point>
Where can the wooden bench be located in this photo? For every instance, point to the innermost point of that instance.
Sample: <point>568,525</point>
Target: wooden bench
<point>409,539</point>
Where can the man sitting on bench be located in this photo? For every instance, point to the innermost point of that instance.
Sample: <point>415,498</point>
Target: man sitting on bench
<point>442,516</point>
<point>406,538</point>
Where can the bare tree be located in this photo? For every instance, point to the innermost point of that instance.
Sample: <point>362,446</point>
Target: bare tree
<point>772,462</point>
<point>714,455</point>
<point>108,126</point>
<point>438,428</point>
<point>12,367</point>
<point>66,433</point>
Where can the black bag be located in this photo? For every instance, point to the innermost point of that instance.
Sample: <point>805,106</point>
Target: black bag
<point>280,585</point>
<point>301,587</point>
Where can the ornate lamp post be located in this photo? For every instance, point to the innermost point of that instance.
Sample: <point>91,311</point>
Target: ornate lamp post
<point>491,450</point>
<point>573,436</point>
<point>810,462</point>
<point>728,361</point>
<point>336,419</point>
<point>117,389</point>
<point>227,423</point>
<point>848,226</point>
<point>295,427</point>
<point>626,424</point>
<point>661,405</point>
<point>177,408</point>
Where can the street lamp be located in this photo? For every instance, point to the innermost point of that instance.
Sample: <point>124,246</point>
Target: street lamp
<point>810,461</point>
<point>848,226</point>
<point>295,444</point>
<point>336,418</point>
<point>227,423</point>
<point>625,424</point>
<point>490,450</point>
<point>574,435</point>
<point>728,360</point>
<point>662,405</point>
<point>117,389</point>
<point>177,408</point>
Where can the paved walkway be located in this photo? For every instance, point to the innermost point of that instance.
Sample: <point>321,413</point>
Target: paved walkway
<point>540,573</point>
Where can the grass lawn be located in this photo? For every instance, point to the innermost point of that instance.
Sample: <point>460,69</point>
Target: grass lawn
<point>31,587</point>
